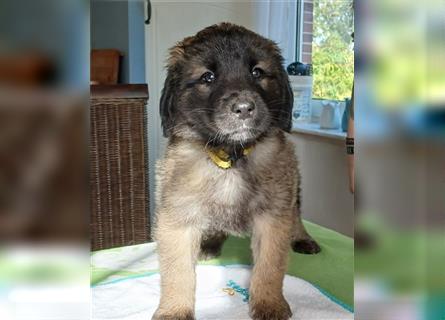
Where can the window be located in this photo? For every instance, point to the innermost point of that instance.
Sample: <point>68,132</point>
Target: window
<point>327,44</point>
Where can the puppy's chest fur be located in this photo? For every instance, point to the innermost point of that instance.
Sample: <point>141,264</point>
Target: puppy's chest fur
<point>225,198</point>
<point>194,190</point>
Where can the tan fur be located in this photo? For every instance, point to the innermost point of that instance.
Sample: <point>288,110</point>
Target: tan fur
<point>178,251</point>
<point>195,197</point>
<point>199,203</point>
<point>270,244</point>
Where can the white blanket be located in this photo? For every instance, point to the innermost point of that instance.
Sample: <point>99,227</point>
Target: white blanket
<point>135,295</point>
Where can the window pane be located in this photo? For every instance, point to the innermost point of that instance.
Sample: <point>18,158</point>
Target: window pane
<point>332,49</point>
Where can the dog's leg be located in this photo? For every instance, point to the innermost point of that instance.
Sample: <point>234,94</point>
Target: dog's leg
<point>302,242</point>
<point>178,250</point>
<point>211,245</point>
<point>270,245</point>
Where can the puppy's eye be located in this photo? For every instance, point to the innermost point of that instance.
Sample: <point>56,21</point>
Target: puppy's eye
<point>208,77</point>
<point>257,72</point>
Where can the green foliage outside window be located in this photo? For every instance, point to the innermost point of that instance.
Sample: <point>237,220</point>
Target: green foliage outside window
<point>332,49</point>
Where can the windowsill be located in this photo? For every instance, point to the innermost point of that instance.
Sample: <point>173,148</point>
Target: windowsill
<point>313,128</point>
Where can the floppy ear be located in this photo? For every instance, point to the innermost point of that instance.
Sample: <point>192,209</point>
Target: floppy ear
<point>167,107</point>
<point>167,104</point>
<point>286,111</point>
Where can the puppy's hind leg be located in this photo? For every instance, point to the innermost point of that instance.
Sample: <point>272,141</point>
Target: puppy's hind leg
<point>302,242</point>
<point>211,245</point>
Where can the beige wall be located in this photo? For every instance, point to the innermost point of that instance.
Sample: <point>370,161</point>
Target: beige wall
<point>326,199</point>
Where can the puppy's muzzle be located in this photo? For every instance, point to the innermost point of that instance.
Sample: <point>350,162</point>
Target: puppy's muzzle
<point>244,110</point>
<point>242,104</point>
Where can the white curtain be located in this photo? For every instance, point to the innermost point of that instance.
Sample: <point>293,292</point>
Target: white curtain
<point>277,20</point>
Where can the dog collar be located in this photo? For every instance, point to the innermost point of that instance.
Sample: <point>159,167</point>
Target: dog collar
<point>222,159</point>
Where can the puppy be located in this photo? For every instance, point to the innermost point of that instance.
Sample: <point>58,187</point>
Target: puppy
<point>228,167</point>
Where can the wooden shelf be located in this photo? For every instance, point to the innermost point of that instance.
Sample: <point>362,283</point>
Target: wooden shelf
<point>129,91</point>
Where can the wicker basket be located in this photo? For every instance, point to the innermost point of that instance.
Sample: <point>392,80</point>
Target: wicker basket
<point>118,166</point>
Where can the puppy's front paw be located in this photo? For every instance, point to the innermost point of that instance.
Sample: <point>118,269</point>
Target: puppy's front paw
<point>178,315</point>
<point>306,246</point>
<point>270,310</point>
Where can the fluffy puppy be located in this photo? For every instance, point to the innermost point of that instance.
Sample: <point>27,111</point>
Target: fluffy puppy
<point>228,167</point>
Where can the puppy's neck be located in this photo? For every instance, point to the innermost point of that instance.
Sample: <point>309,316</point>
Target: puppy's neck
<point>228,147</point>
<point>235,151</point>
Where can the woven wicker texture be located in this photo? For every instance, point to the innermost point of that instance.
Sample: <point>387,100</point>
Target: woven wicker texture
<point>118,172</point>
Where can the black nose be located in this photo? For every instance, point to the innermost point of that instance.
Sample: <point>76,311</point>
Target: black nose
<point>243,110</point>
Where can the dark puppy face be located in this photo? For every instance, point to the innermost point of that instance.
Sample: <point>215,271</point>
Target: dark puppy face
<point>225,85</point>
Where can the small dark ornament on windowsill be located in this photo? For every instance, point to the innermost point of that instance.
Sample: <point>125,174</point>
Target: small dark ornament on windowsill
<point>299,69</point>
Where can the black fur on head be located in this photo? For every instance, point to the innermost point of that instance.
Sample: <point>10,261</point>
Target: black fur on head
<point>225,85</point>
